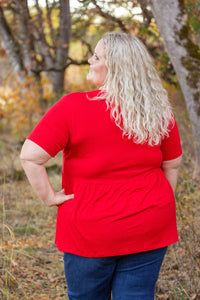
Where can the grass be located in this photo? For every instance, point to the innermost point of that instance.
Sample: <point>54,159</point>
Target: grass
<point>31,267</point>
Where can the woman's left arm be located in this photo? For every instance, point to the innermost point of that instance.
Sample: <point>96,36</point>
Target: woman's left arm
<point>170,169</point>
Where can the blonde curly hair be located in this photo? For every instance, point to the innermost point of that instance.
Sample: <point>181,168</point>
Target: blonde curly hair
<point>133,90</point>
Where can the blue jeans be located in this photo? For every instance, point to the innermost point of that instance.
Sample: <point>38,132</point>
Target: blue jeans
<point>128,277</point>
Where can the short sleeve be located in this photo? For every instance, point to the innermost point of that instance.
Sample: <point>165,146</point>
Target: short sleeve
<point>171,145</point>
<point>52,131</point>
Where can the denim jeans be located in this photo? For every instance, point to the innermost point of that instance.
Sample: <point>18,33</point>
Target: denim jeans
<point>128,277</point>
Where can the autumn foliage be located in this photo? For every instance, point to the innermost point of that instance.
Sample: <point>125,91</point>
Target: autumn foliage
<point>21,105</point>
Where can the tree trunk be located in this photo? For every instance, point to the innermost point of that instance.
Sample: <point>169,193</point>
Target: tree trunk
<point>11,47</point>
<point>184,55</point>
<point>63,45</point>
<point>57,79</point>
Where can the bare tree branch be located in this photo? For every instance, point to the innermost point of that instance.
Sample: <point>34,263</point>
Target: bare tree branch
<point>40,18</point>
<point>107,16</point>
<point>40,41</point>
<point>147,14</point>
<point>87,44</point>
<point>65,66</point>
<point>49,19</point>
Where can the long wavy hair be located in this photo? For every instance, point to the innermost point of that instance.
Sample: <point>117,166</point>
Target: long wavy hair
<point>133,90</point>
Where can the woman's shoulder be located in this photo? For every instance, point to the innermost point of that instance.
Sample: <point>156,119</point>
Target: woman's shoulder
<point>81,95</point>
<point>76,98</point>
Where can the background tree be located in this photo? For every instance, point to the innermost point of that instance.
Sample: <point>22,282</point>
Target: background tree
<point>33,42</point>
<point>180,37</point>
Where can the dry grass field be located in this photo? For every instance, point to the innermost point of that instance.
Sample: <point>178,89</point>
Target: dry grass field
<point>31,268</point>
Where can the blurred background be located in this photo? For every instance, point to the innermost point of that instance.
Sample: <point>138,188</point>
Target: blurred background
<point>45,46</point>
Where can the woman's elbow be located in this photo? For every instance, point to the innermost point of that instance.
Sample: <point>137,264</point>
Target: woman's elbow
<point>172,164</point>
<point>27,152</point>
<point>33,153</point>
<point>177,162</point>
<point>23,155</point>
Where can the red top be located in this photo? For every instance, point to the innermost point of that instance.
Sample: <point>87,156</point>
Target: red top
<point>122,202</point>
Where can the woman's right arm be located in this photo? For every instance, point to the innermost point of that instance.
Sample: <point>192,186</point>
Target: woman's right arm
<point>33,159</point>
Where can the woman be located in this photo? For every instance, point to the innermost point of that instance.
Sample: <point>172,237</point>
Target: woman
<point>121,154</point>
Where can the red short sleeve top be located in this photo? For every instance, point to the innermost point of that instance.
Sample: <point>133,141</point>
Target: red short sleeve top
<point>122,202</point>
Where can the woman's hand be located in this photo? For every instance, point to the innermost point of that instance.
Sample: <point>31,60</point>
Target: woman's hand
<point>59,198</point>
